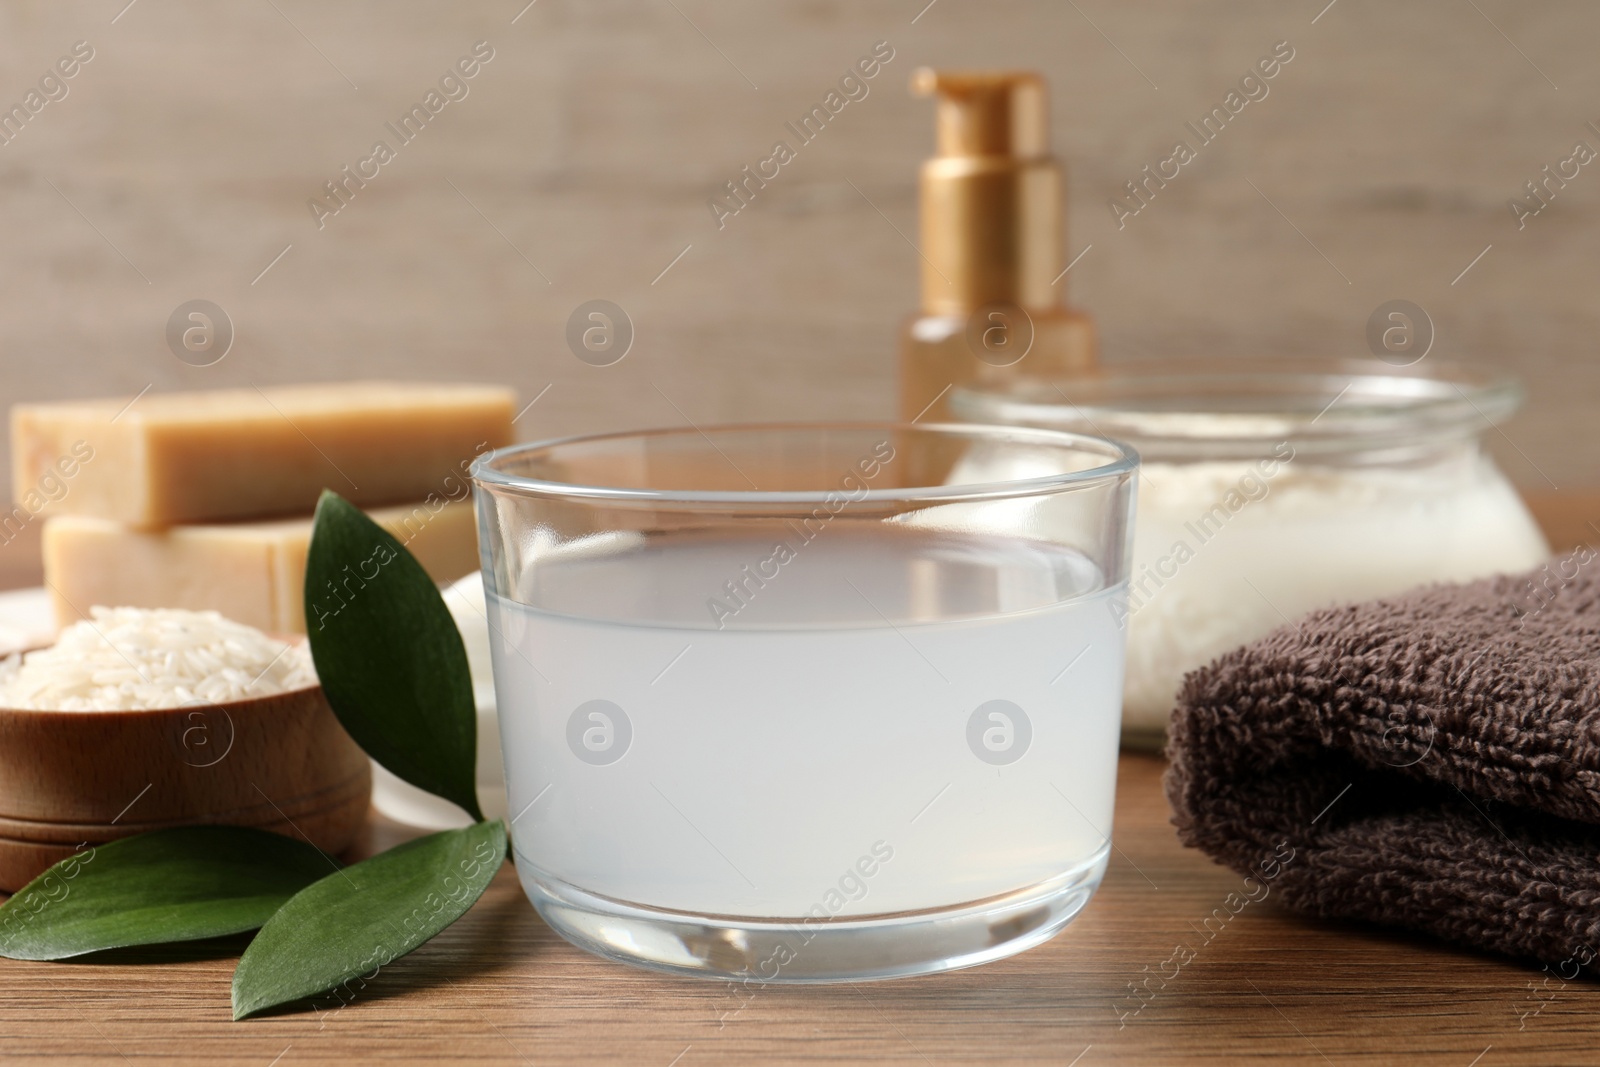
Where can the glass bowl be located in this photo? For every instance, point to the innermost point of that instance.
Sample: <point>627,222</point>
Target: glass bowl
<point>1270,488</point>
<point>808,703</point>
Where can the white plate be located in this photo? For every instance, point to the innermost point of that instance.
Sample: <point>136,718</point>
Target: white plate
<point>26,620</point>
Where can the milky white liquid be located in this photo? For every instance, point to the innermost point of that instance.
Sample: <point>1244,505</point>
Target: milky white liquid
<point>809,753</point>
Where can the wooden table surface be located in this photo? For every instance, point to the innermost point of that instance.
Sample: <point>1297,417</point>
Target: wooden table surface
<point>500,987</point>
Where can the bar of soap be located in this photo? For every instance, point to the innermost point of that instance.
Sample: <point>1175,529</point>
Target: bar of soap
<point>170,458</point>
<point>251,572</point>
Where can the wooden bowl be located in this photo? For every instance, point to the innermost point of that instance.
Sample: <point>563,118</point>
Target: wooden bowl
<point>75,778</point>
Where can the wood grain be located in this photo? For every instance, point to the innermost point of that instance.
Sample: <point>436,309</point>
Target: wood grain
<point>581,163</point>
<point>500,988</point>
<point>281,762</point>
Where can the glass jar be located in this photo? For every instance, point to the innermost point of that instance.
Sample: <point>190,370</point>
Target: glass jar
<point>804,703</point>
<point>1268,489</point>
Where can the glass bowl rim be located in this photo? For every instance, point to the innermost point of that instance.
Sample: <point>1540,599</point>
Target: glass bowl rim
<point>1121,461</point>
<point>1446,398</point>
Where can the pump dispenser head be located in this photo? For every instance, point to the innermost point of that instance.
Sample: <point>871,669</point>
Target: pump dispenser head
<point>991,196</point>
<point>989,114</point>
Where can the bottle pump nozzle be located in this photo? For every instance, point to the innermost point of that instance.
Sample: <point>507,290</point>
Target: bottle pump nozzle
<point>991,196</point>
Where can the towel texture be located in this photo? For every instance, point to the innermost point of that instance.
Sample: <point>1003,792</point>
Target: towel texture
<point>1432,759</point>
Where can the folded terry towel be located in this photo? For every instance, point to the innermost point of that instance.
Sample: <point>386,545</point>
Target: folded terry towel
<point>1431,761</point>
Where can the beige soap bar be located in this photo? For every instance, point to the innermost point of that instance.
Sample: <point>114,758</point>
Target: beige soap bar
<point>247,453</point>
<point>252,572</point>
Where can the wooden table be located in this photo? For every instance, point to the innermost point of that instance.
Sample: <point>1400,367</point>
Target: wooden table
<point>500,987</point>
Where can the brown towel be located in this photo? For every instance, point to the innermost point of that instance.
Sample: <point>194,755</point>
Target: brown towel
<point>1430,761</point>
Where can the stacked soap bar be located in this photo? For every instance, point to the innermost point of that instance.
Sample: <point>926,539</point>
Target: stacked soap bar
<point>203,500</point>
<point>246,453</point>
<point>252,572</point>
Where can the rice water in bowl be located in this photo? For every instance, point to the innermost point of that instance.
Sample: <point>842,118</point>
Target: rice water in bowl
<point>1268,489</point>
<point>780,703</point>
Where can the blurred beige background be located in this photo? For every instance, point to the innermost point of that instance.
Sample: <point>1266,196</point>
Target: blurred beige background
<point>180,162</point>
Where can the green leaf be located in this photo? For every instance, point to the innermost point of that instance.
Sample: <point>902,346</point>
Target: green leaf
<point>389,655</point>
<point>183,884</point>
<point>341,930</point>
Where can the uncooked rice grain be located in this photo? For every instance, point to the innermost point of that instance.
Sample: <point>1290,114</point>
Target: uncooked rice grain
<point>139,658</point>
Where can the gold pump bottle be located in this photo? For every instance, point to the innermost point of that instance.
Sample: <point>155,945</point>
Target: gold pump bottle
<point>992,246</point>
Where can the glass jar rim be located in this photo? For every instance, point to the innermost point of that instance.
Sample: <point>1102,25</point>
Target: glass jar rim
<point>1120,461</point>
<point>1327,406</point>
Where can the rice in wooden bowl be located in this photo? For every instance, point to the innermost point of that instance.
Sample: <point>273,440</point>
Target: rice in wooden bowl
<point>140,719</point>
